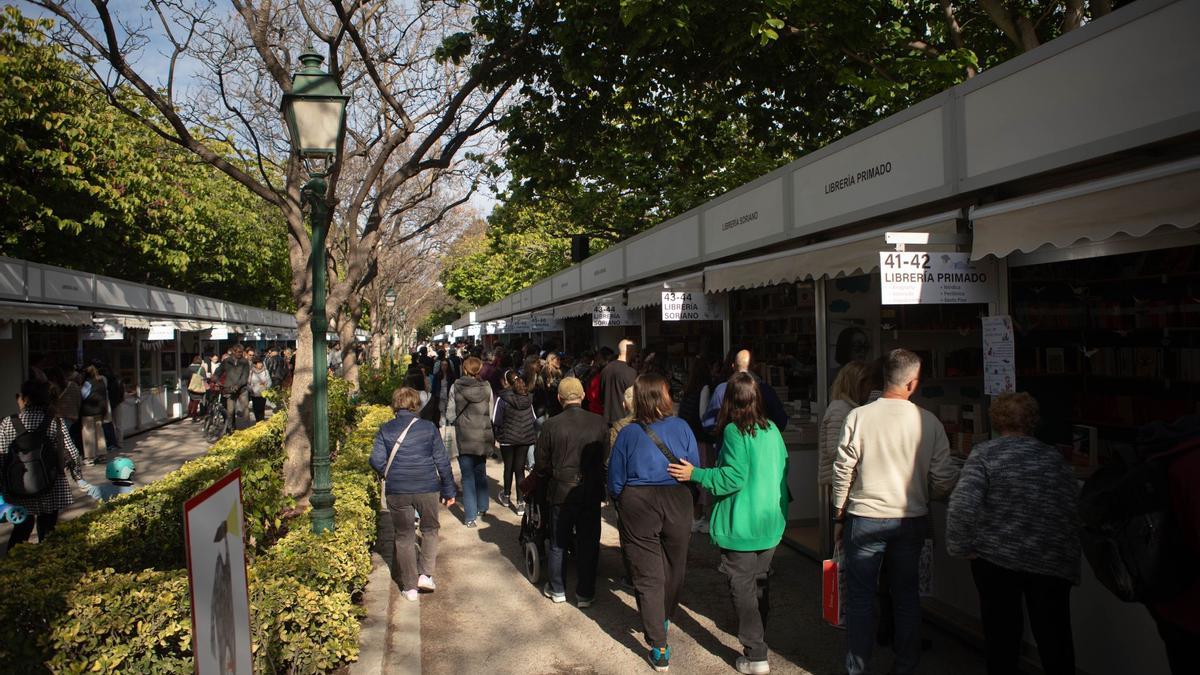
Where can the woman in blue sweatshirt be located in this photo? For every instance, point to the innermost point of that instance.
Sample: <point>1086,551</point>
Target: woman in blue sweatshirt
<point>656,510</point>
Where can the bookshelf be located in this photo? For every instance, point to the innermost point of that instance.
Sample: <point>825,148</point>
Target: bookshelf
<point>1111,343</point>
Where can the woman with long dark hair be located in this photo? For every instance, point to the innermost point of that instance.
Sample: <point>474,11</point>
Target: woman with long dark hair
<point>655,509</point>
<point>515,432</point>
<point>750,513</point>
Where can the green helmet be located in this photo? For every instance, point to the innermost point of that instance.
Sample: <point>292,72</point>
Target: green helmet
<point>121,468</point>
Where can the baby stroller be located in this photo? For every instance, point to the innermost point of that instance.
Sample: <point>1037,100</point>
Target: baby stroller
<point>535,525</point>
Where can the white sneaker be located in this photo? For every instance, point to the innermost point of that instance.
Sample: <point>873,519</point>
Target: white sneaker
<point>703,527</point>
<point>425,583</point>
<point>745,665</point>
<point>411,595</point>
<point>700,525</point>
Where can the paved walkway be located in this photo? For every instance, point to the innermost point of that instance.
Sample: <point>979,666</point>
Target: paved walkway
<point>156,453</point>
<point>487,618</point>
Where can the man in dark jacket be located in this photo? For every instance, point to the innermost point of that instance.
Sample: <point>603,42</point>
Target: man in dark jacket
<point>417,470</point>
<point>236,373</point>
<point>570,454</point>
<point>616,377</point>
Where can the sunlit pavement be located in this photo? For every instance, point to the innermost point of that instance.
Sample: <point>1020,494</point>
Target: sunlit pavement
<point>487,618</point>
<point>156,453</point>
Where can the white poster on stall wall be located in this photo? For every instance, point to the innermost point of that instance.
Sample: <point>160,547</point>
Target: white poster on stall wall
<point>614,315</point>
<point>923,278</point>
<point>690,306</point>
<point>999,356</point>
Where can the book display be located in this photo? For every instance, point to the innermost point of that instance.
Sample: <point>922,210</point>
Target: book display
<point>778,325</point>
<point>1109,345</point>
<point>949,340</point>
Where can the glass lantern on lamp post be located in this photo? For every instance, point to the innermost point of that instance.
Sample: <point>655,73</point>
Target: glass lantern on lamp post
<point>315,112</point>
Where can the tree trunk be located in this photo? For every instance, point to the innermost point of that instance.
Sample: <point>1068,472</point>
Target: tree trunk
<point>349,356</point>
<point>297,433</point>
<point>297,466</point>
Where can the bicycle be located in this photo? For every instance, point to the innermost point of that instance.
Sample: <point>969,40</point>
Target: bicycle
<point>215,417</point>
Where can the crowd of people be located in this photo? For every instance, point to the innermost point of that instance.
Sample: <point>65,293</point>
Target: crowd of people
<point>242,377</point>
<point>604,428</point>
<point>577,433</point>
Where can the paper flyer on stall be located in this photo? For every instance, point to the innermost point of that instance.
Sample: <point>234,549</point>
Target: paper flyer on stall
<point>999,356</point>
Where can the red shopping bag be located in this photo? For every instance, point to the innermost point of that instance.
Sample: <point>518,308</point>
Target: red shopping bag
<point>831,588</point>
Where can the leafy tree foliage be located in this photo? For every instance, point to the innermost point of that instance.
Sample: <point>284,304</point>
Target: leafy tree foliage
<point>523,243</point>
<point>639,110</point>
<point>87,188</point>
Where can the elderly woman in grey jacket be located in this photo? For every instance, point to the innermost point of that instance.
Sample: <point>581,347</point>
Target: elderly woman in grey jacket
<point>1014,516</point>
<point>473,402</point>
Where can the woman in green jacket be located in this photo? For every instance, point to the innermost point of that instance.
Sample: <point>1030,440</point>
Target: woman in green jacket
<point>749,483</point>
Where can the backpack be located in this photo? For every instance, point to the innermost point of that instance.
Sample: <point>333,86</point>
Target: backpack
<point>92,404</point>
<point>29,465</point>
<point>1130,534</point>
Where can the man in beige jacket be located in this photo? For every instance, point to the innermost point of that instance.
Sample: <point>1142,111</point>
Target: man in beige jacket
<point>892,458</point>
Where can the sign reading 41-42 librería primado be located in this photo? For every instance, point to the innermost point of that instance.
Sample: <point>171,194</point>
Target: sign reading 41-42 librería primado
<point>922,278</point>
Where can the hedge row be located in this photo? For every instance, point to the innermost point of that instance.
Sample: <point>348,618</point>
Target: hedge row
<point>109,592</point>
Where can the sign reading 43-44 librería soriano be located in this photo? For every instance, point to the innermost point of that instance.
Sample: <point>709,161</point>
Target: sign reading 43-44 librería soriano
<point>921,278</point>
<point>690,306</point>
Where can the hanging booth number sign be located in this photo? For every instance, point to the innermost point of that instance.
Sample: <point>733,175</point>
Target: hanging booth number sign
<point>690,306</point>
<point>951,278</point>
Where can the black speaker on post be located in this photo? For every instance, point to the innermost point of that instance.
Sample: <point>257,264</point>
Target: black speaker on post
<point>579,248</point>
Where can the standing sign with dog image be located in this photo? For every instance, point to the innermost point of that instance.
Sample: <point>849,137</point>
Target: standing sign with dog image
<point>216,557</point>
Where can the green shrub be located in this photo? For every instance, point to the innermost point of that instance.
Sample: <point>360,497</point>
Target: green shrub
<point>376,384</point>
<point>78,603</point>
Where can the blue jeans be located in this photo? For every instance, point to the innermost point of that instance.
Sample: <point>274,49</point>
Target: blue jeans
<point>867,543</point>
<point>474,485</point>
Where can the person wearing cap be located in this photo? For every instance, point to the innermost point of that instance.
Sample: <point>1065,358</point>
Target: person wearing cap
<point>570,455</point>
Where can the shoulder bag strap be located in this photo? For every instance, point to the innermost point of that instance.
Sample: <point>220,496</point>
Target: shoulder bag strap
<point>18,425</point>
<point>671,458</point>
<point>396,447</point>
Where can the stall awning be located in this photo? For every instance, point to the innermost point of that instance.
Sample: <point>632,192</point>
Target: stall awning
<point>1133,204</point>
<point>838,257</point>
<point>59,315</point>
<point>651,294</point>
<point>577,308</point>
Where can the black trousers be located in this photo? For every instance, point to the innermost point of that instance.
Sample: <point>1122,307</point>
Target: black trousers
<point>45,525</point>
<point>1183,647</point>
<point>1048,601</point>
<point>750,591</point>
<point>581,522</point>
<point>656,527</point>
<point>259,405</point>
<point>514,465</point>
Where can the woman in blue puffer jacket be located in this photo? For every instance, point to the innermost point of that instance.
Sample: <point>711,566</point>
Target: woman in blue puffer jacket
<point>409,453</point>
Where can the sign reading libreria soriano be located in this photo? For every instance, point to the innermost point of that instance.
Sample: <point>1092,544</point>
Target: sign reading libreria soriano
<point>690,306</point>
<point>918,278</point>
<point>613,315</point>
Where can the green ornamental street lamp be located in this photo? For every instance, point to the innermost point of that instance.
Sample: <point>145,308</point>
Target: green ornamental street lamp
<point>315,110</point>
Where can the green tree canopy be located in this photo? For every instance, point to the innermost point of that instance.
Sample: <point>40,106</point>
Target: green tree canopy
<point>87,188</point>
<point>639,110</point>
